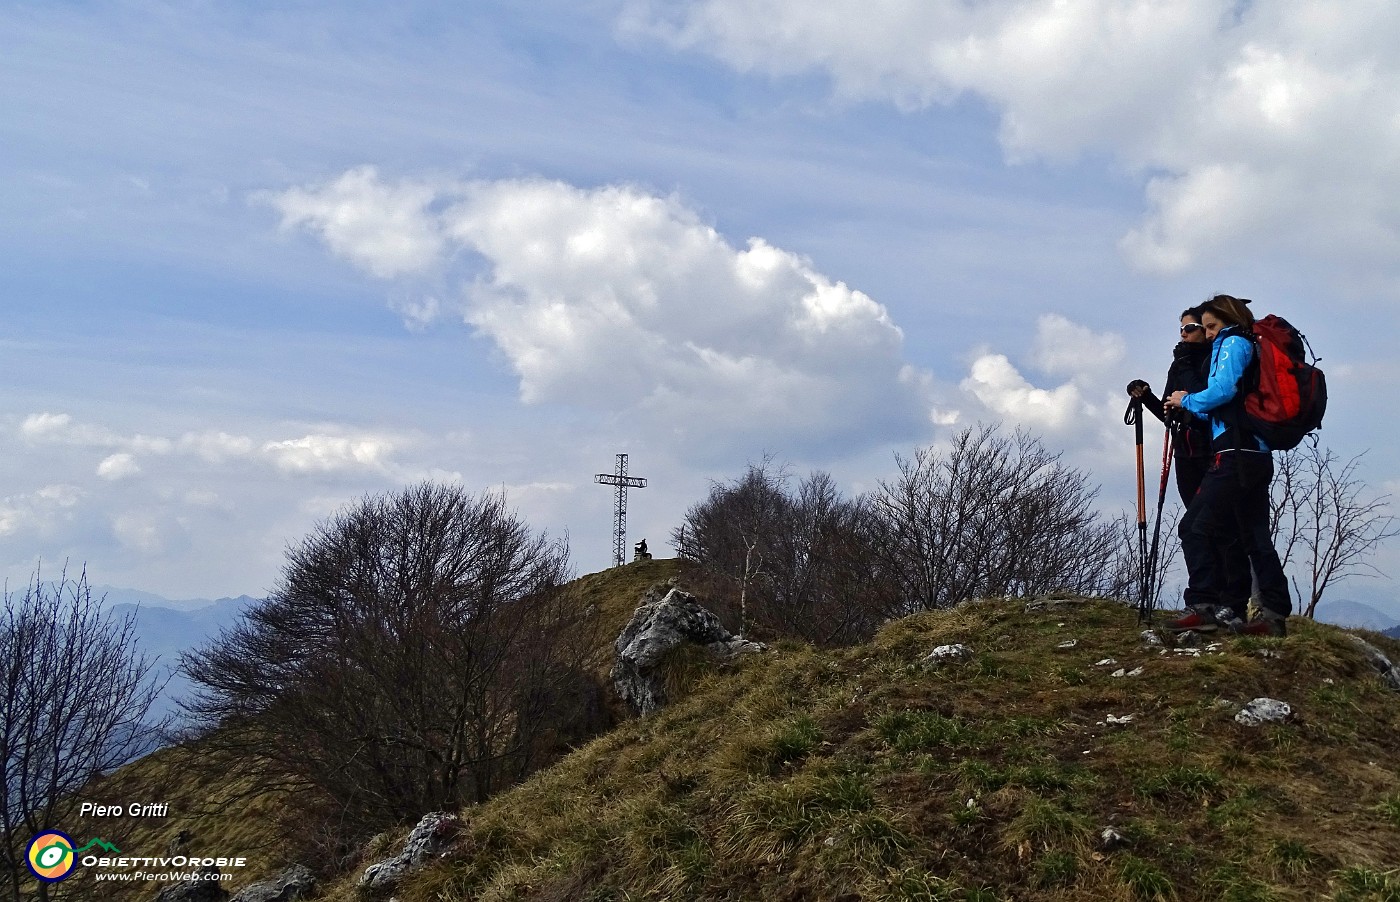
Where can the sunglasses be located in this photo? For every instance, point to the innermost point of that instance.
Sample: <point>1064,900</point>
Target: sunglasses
<point>1188,328</point>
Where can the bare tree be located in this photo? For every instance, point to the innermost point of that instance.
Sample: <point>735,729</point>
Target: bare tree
<point>737,530</point>
<point>76,695</point>
<point>1122,579</point>
<point>420,651</point>
<point>991,515</point>
<point>1288,494</point>
<point>1324,514</point>
<point>797,563</point>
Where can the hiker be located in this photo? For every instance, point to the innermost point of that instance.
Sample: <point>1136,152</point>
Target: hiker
<point>1232,504</point>
<point>639,551</point>
<point>1188,372</point>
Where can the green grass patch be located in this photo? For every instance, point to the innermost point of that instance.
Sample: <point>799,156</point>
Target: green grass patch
<point>1056,868</point>
<point>1358,884</point>
<point>1389,809</point>
<point>1231,883</point>
<point>1043,822</point>
<point>1182,781</point>
<point>919,731</point>
<point>1143,880</point>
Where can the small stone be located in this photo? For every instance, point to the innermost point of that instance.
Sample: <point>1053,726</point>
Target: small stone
<point>1111,838</point>
<point>1126,718</point>
<point>1263,710</point>
<point>1105,662</point>
<point>944,653</point>
<point>1068,643</point>
<point>1150,637</point>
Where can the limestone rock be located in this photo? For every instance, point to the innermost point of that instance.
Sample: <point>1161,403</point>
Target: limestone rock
<point>204,889</point>
<point>1389,672</point>
<point>426,841</point>
<point>945,653</point>
<point>296,882</point>
<point>1264,710</point>
<point>658,626</point>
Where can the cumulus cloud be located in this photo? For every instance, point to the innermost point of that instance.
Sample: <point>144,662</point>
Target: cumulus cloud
<point>118,466</point>
<point>328,451</point>
<point>36,511</point>
<point>1066,348</point>
<point>387,229</point>
<point>995,382</point>
<point>616,299</point>
<point>1266,122</point>
<point>138,532</point>
<point>1061,349</point>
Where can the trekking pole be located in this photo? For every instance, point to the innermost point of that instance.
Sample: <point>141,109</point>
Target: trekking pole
<point>1133,417</point>
<point>1168,443</point>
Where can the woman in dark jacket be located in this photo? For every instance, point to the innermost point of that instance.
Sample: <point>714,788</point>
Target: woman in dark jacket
<point>1189,372</point>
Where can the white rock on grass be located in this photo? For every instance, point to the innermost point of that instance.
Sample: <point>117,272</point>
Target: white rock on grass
<point>945,653</point>
<point>1264,710</point>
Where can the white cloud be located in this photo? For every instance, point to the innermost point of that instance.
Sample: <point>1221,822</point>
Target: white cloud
<point>118,466</point>
<point>216,447</point>
<point>1272,123</point>
<point>38,511</point>
<point>317,452</point>
<point>387,229</point>
<point>995,382</point>
<point>1063,347</point>
<point>327,453</point>
<point>39,426</point>
<point>619,300</point>
<point>137,532</point>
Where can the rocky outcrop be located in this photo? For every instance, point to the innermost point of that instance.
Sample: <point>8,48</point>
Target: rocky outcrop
<point>1388,671</point>
<point>660,624</point>
<point>1264,710</point>
<point>205,888</point>
<point>296,882</point>
<point>429,839</point>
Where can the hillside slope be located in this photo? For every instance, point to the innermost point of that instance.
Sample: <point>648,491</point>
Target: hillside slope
<point>216,806</point>
<point>870,773</point>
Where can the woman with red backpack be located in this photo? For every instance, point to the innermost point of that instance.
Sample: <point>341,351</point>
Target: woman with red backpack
<point>1231,506</point>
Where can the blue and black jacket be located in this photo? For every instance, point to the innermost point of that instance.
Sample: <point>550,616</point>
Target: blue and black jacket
<point>1231,355</point>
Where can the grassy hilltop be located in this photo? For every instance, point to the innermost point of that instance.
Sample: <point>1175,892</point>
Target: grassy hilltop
<point>868,774</point>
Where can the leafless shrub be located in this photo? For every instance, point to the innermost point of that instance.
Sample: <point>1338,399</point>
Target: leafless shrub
<point>992,515</point>
<point>1324,525</point>
<point>792,563</point>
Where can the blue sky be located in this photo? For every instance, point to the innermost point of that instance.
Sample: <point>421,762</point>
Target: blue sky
<point>262,259</point>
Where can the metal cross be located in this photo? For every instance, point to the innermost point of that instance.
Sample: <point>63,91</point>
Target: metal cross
<point>623,483</point>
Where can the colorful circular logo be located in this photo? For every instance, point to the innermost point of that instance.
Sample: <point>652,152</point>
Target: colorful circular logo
<point>50,856</point>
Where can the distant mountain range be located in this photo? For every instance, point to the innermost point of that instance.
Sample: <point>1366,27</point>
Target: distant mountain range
<point>1357,615</point>
<point>166,627</point>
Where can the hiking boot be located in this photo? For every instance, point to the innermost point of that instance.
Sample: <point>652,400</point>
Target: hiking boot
<point>1266,625</point>
<point>1200,619</point>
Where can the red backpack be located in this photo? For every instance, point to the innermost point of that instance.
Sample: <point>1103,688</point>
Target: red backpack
<point>1289,396</point>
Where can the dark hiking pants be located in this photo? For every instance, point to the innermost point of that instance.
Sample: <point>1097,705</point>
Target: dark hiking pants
<point>1189,473</point>
<point>1225,532</point>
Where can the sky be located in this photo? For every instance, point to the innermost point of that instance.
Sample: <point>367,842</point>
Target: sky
<point>260,260</point>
